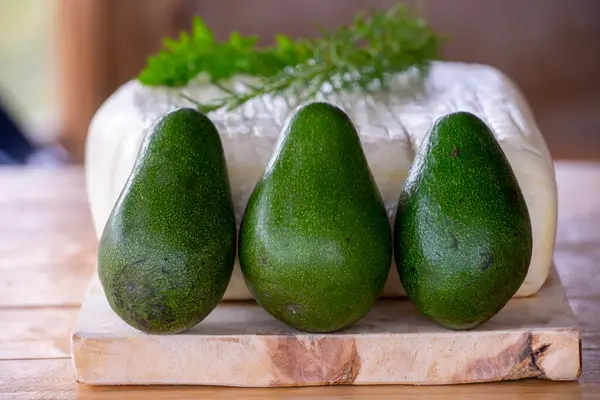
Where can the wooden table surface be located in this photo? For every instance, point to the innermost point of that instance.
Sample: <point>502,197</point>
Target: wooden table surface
<point>47,256</point>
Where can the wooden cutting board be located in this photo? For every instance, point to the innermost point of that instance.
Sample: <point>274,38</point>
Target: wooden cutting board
<point>240,344</point>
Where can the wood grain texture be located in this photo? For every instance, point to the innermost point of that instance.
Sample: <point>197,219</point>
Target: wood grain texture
<point>35,379</point>
<point>47,244</point>
<point>36,333</point>
<point>577,262</point>
<point>240,344</point>
<point>53,187</point>
<point>588,311</point>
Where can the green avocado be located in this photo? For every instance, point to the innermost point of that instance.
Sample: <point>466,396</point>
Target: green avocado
<point>462,234</point>
<point>315,243</point>
<point>167,251</point>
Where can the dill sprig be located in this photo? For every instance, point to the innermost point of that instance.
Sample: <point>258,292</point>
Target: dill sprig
<point>362,55</point>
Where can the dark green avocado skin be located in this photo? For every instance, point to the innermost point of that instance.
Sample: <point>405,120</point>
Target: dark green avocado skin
<point>167,251</point>
<point>315,243</point>
<point>462,235</point>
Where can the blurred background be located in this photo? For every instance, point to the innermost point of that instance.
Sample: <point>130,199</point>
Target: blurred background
<point>60,59</point>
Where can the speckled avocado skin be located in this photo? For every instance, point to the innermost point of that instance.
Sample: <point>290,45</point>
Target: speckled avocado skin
<point>167,251</point>
<point>462,235</point>
<point>315,243</point>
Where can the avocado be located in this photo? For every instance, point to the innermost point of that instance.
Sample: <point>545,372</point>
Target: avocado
<point>462,233</point>
<point>167,251</point>
<point>315,243</point>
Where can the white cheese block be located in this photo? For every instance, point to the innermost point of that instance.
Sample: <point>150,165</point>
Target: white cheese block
<point>391,126</point>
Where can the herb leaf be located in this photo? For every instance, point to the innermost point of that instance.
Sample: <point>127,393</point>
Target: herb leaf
<point>362,55</point>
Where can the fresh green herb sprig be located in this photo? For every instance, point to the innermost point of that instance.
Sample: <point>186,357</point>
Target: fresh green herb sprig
<point>183,59</point>
<point>362,55</point>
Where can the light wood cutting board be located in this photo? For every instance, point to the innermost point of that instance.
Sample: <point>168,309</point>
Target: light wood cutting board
<point>240,344</point>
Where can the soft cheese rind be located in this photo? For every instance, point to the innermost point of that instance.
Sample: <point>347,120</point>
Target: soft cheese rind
<point>391,126</point>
